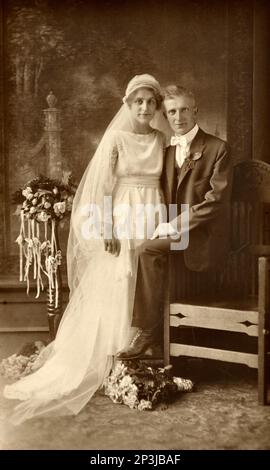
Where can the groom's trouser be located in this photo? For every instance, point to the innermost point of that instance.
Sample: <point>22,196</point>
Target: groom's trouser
<point>151,276</point>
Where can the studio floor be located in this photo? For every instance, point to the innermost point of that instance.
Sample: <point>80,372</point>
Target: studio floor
<point>221,413</point>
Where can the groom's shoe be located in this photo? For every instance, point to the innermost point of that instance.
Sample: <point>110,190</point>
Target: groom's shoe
<point>138,346</point>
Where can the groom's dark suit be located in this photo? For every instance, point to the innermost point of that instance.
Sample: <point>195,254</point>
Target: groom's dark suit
<point>203,182</point>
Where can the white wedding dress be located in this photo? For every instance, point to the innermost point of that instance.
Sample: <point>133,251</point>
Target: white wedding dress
<point>97,321</point>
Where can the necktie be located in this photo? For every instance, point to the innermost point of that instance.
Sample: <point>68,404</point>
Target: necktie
<point>181,148</point>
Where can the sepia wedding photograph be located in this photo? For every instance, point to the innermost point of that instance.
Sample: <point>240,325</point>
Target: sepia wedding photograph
<point>135,228</point>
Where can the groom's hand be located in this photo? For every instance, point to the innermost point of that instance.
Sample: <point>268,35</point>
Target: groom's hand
<point>163,230</point>
<point>112,245</point>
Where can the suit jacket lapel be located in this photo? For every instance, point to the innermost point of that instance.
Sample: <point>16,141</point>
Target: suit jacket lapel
<point>197,146</point>
<point>170,171</point>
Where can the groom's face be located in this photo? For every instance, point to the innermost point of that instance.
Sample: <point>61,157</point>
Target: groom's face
<point>181,113</point>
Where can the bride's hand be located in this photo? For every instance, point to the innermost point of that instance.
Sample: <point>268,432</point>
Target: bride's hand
<point>112,245</point>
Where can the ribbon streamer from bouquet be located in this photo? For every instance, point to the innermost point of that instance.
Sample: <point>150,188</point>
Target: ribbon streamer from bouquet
<point>32,252</point>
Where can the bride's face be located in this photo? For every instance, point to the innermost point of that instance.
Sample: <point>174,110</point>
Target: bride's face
<point>143,106</point>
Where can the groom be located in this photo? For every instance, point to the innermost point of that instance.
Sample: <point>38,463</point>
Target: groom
<point>198,172</point>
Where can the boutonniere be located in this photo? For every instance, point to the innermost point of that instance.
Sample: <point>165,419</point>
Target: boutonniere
<point>189,164</point>
<point>191,161</point>
<point>197,155</point>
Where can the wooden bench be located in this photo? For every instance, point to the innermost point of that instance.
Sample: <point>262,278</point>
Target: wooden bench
<point>228,312</point>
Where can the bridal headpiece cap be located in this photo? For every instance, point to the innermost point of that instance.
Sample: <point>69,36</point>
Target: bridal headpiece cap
<point>141,81</point>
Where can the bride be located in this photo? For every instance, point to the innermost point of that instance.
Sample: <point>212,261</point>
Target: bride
<point>121,179</point>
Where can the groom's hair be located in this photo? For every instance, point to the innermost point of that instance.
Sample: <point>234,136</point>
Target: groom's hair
<point>172,91</point>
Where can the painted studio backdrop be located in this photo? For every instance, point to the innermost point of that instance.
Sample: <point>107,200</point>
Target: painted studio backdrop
<point>86,52</point>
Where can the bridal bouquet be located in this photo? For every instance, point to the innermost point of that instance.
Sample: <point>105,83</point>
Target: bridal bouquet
<point>41,203</point>
<point>44,199</point>
<point>142,387</point>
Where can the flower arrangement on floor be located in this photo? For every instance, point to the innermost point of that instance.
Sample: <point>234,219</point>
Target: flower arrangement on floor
<point>41,203</point>
<point>139,386</point>
<point>23,363</point>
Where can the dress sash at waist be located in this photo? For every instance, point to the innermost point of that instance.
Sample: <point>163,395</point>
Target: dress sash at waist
<point>139,181</point>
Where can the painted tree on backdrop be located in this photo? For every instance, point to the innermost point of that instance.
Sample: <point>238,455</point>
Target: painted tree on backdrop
<point>67,48</point>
